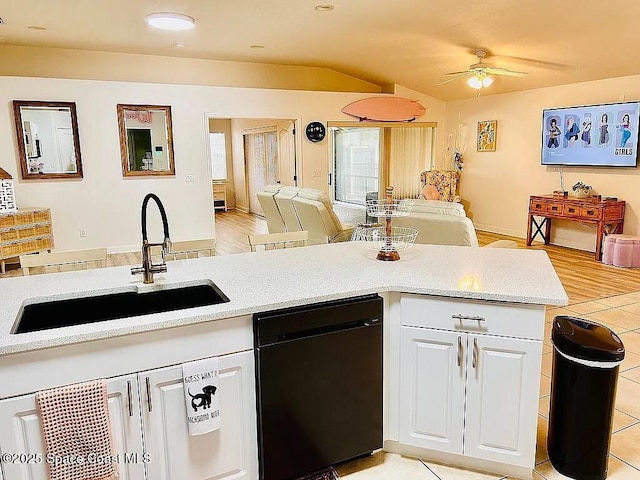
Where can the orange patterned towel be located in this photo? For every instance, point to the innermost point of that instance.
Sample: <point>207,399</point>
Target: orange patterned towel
<point>77,432</point>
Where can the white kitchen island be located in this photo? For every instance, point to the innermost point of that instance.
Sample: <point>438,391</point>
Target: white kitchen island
<point>463,334</point>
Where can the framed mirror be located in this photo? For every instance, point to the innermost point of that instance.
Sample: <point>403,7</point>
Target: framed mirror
<point>48,141</point>
<point>146,140</point>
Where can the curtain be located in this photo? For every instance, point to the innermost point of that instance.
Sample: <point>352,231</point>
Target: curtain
<point>410,153</point>
<point>261,155</point>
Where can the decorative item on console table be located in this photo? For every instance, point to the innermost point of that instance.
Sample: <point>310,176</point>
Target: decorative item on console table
<point>607,216</point>
<point>582,190</point>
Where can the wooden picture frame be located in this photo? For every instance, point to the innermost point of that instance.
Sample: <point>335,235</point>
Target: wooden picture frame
<point>157,137</point>
<point>487,135</point>
<point>54,151</point>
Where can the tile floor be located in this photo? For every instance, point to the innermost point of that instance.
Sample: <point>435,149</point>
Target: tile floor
<point>620,313</point>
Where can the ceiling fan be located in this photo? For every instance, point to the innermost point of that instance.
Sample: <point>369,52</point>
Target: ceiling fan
<point>479,73</point>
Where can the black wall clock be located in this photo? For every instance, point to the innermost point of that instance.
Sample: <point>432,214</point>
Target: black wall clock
<point>315,132</point>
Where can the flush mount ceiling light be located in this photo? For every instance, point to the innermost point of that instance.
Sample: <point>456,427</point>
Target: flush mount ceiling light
<point>170,21</point>
<point>324,7</point>
<point>480,80</point>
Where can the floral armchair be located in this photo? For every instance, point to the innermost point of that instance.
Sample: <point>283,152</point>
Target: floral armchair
<point>445,181</point>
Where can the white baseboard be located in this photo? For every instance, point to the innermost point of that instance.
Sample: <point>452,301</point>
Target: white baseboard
<point>124,249</point>
<point>558,240</point>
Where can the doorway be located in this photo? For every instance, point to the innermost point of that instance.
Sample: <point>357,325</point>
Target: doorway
<point>230,172</point>
<point>139,143</point>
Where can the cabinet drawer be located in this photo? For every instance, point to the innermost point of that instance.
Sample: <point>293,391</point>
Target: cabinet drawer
<point>7,221</point>
<point>571,210</point>
<point>538,206</point>
<point>8,235</point>
<point>495,318</point>
<point>553,207</point>
<point>614,213</point>
<point>42,216</point>
<point>24,218</point>
<point>590,212</point>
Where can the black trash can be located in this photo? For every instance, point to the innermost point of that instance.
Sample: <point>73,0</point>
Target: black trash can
<point>586,359</point>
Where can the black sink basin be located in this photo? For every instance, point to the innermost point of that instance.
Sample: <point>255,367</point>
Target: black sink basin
<point>98,308</point>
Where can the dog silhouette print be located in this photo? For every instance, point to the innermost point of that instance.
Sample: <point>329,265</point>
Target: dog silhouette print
<point>202,399</point>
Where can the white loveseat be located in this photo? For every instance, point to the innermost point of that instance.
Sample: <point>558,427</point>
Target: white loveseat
<point>444,223</point>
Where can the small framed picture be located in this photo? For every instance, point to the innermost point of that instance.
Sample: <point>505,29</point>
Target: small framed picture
<point>487,132</point>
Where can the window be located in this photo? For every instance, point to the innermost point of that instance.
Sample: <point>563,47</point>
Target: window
<point>218,149</point>
<point>367,158</point>
<point>357,162</point>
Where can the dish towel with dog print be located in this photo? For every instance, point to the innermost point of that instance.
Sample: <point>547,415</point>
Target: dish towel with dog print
<point>75,425</point>
<point>201,395</point>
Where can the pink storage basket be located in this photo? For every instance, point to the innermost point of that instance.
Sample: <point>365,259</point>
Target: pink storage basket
<point>636,253</point>
<point>623,252</point>
<point>608,248</point>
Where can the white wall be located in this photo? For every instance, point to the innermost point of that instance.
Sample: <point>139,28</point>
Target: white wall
<point>498,184</point>
<point>106,205</point>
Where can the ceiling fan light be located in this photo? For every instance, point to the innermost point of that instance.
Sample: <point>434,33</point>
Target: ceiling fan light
<point>170,21</point>
<point>475,82</point>
<point>487,81</point>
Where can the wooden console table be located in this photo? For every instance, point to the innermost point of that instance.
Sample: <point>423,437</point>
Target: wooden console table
<point>607,216</point>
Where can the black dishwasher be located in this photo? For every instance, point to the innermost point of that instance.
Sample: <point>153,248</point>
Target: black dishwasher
<point>318,385</point>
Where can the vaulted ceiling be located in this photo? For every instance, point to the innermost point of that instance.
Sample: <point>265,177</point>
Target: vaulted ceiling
<point>408,42</point>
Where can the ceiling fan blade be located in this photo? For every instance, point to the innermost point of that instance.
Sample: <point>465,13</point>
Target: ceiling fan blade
<point>504,71</point>
<point>459,73</point>
<point>466,74</point>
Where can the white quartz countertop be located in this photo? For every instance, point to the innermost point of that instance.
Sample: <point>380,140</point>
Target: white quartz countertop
<point>262,281</point>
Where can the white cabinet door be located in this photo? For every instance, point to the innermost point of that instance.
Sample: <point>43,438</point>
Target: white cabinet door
<point>228,453</point>
<point>432,376</point>
<point>502,399</point>
<point>21,433</point>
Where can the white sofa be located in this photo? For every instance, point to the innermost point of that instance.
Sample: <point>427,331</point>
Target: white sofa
<point>293,209</point>
<point>444,223</point>
<point>285,206</point>
<point>316,215</point>
<point>275,223</point>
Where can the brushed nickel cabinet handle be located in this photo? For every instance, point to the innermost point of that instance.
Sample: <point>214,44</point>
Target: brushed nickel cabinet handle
<point>475,353</point>
<point>475,318</point>
<point>554,208</point>
<point>591,212</point>
<point>129,398</point>
<point>572,210</point>
<point>149,404</point>
<point>459,351</point>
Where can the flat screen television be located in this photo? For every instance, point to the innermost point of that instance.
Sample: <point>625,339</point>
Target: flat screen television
<point>592,135</point>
